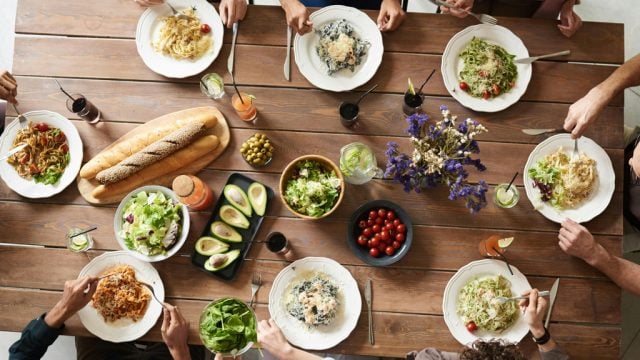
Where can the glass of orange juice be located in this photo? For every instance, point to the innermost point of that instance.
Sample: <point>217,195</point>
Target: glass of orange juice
<point>494,245</point>
<point>245,108</point>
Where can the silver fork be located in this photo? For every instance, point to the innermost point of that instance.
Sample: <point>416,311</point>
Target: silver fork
<point>575,155</point>
<point>176,13</point>
<point>501,299</point>
<point>256,282</point>
<point>483,18</point>
<point>21,118</point>
<point>153,293</point>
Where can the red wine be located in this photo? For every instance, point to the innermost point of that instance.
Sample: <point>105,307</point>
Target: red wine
<point>348,114</point>
<point>276,242</point>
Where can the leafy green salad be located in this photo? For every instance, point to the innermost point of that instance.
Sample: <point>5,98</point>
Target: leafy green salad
<point>151,223</point>
<point>312,190</point>
<point>488,69</point>
<point>477,303</point>
<point>546,177</point>
<point>227,326</point>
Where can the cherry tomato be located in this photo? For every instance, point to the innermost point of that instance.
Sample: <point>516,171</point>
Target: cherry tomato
<point>471,327</point>
<point>362,224</point>
<point>367,232</point>
<point>376,228</point>
<point>374,251</point>
<point>205,28</point>
<point>496,89</point>
<point>401,228</point>
<point>389,226</point>
<point>389,250</point>
<point>375,242</point>
<point>373,214</point>
<point>42,127</point>
<point>43,140</point>
<point>384,235</point>
<point>370,222</point>
<point>59,138</point>
<point>369,244</point>
<point>64,148</point>
<point>377,236</point>
<point>382,213</point>
<point>382,248</point>
<point>362,240</point>
<point>25,158</point>
<point>33,169</point>
<point>386,222</point>
<point>397,222</point>
<point>396,245</point>
<point>464,86</point>
<point>379,221</point>
<point>400,237</point>
<point>486,94</point>
<point>391,215</point>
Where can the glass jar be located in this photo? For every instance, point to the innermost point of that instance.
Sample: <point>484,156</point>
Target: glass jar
<point>193,192</point>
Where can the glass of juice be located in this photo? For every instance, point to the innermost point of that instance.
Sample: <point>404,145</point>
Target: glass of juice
<point>358,163</point>
<point>490,246</point>
<point>348,113</point>
<point>245,108</point>
<point>412,103</point>
<point>84,108</point>
<point>212,86</point>
<point>506,196</point>
<point>277,243</point>
<point>79,243</point>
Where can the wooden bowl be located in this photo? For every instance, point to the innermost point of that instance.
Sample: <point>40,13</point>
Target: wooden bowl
<point>328,165</point>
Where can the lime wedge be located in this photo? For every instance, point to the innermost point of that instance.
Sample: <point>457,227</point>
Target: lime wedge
<point>504,197</point>
<point>79,241</point>
<point>503,243</point>
<point>412,91</point>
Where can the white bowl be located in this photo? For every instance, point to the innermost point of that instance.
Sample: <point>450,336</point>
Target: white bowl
<point>117,224</point>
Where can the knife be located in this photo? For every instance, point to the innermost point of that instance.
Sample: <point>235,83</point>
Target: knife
<point>367,298</point>
<point>287,60</point>
<point>541,131</point>
<point>552,299</point>
<point>529,60</point>
<point>233,49</point>
<point>13,151</point>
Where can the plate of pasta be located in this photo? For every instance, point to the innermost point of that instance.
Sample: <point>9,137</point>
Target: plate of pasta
<point>343,51</point>
<point>121,309</point>
<point>316,303</point>
<point>179,48</point>
<point>478,68</point>
<point>50,161</point>
<point>561,187</point>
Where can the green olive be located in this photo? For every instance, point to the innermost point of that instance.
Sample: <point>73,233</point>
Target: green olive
<point>256,161</point>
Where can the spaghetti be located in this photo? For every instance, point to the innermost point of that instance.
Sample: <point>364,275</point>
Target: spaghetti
<point>120,295</point>
<point>182,38</point>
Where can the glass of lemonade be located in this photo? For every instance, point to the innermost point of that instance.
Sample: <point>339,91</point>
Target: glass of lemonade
<point>79,243</point>
<point>212,86</point>
<point>245,108</point>
<point>358,163</point>
<point>506,196</point>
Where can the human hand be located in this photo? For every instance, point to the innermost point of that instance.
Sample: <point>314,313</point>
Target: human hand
<point>461,4</point>
<point>232,11</point>
<point>297,16</point>
<point>570,22</point>
<point>8,87</point>
<point>271,338</point>
<point>175,332</point>
<point>577,241</point>
<point>534,309</point>
<point>74,297</point>
<point>585,111</point>
<point>149,2</point>
<point>391,15</point>
<point>220,357</point>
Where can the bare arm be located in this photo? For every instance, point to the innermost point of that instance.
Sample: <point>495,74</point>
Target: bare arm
<point>271,338</point>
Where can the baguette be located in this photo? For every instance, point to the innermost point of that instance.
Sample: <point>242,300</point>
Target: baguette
<point>193,152</point>
<point>132,145</point>
<point>151,154</point>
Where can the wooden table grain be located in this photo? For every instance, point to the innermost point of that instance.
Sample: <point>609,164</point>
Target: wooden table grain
<point>90,49</point>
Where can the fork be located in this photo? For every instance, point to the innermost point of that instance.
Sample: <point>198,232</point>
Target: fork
<point>483,18</point>
<point>256,282</point>
<point>153,293</point>
<point>176,13</point>
<point>575,155</point>
<point>21,118</point>
<point>502,299</point>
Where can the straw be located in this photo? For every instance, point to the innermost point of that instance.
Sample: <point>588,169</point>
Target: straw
<point>83,232</point>
<point>504,258</point>
<point>425,82</point>
<point>512,180</point>
<point>61,89</point>
<point>233,81</point>
<point>205,85</point>
<point>366,93</point>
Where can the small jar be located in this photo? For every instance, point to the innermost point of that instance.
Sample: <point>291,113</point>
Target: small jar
<point>193,192</point>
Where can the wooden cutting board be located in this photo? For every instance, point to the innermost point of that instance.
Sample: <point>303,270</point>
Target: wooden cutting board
<point>221,130</point>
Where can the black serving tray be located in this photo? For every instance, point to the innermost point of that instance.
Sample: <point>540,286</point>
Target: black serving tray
<point>248,235</point>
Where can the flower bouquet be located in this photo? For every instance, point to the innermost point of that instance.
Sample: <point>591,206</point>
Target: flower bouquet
<point>440,154</point>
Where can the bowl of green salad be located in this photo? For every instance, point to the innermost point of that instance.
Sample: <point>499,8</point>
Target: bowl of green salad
<point>228,326</point>
<point>312,187</point>
<point>151,223</point>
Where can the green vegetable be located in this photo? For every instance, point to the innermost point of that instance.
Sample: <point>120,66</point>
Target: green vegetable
<point>486,65</point>
<point>151,223</point>
<point>477,303</point>
<point>312,190</point>
<point>549,182</point>
<point>228,325</point>
<point>53,173</point>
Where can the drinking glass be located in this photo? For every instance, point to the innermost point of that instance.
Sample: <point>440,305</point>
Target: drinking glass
<point>506,196</point>
<point>358,163</point>
<point>212,86</point>
<point>490,246</point>
<point>79,243</point>
<point>84,108</point>
<point>412,103</point>
<point>277,243</point>
<point>348,113</point>
<point>246,109</point>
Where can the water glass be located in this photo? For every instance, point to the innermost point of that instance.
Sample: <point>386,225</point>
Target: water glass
<point>506,196</point>
<point>212,86</point>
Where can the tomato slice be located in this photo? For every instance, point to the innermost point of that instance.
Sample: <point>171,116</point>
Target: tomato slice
<point>496,89</point>
<point>486,94</point>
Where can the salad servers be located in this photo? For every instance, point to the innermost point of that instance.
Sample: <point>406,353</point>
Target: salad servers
<point>483,18</point>
<point>502,299</point>
<point>256,282</point>
<point>529,60</point>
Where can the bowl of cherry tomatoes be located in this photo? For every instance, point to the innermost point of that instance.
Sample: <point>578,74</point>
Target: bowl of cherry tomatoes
<point>380,233</point>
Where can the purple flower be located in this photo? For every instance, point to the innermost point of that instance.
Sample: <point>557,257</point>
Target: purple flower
<point>416,121</point>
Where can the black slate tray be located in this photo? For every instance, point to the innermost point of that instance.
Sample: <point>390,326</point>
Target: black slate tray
<point>248,235</point>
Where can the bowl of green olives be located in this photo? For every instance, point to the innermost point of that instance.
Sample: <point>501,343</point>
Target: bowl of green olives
<point>257,150</point>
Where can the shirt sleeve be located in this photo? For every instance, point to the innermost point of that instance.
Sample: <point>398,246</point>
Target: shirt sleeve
<point>432,354</point>
<point>554,354</point>
<point>34,341</point>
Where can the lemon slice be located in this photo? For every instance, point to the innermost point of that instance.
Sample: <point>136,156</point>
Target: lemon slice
<point>412,91</point>
<point>504,196</point>
<point>79,241</point>
<point>503,243</point>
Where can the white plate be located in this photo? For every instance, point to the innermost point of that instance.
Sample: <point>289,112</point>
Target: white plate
<point>480,269</point>
<point>452,64</point>
<point>322,337</point>
<point>184,232</point>
<point>148,30</point>
<point>29,188</point>
<point>124,329</point>
<point>597,201</point>
<point>315,70</point>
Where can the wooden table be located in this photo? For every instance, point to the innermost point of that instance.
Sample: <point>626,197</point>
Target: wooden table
<point>90,47</point>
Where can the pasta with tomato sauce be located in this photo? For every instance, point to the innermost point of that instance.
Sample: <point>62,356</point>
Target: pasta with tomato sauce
<point>120,295</point>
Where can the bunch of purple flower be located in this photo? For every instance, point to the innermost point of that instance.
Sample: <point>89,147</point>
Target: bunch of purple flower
<point>440,153</point>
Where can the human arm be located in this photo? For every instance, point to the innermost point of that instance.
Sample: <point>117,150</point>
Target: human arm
<point>42,332</point>
<point>297,16</point>
<point>232,11</point>
<point>271,338</point>
<point>586,110</point>
<point>576,240</point>
<point>461,4</point>
<point>175,332</point>
<point>391,15</point>
<point>149,2</point>
<point>535,308</point>
<point>8,87</point>
<point>570,22</point>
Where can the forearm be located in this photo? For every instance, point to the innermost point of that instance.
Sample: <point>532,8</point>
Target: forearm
<point>180,352</point>
<point>291,353</point>
<point>538,333</point>
<point>623,272</point>
<point>34,340</point>
<point>625,76</point>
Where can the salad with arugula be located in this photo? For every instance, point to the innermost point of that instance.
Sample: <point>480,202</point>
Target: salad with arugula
<point>312,189</point>
<point>151,223</point>
<point>228,326</point>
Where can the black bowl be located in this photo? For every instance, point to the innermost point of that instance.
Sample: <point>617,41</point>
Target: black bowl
<point>363,252</point>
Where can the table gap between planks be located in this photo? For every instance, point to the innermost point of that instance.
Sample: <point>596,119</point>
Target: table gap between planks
<point>91,49</point>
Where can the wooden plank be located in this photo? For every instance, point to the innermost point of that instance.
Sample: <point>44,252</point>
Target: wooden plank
<point>183,280</point>
<point>595,42</point>
<point>118,59</point>
<point>396,334</point>
<point>381,113</point>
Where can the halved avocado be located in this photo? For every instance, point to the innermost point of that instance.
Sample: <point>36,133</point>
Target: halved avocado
<point>220,261</point>
<point>233,217</point>
<point>237,198</point>
<point>208,246</point>
<point>225,232</point>
<point>258,198</point>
